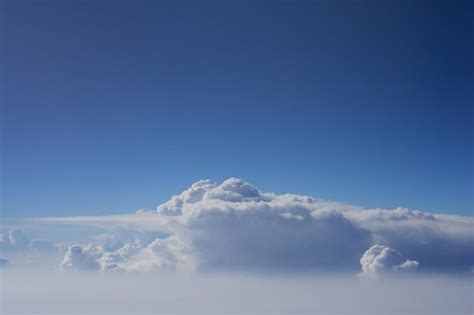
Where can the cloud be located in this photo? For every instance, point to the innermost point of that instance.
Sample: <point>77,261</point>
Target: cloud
<point>15,242</point>
<point>34,291</point>
<point>379,260</point>
<point>114,261</point>
<point>14,239</point>
<point>236,226</point>
<point>82,257</point>
<point>162,254</point>
<point>440,242</point>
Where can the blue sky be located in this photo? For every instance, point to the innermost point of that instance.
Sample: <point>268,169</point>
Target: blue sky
<point>109,107</point>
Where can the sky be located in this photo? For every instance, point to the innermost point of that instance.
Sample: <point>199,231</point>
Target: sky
<point>113,106</point>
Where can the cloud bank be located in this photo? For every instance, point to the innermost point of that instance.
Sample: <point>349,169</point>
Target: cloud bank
<point>234,226</point>
<point>53,292</point>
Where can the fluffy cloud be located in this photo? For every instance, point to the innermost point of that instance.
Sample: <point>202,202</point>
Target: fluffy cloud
<point>236,226</point>
<point>114,261</point>
<point>440,242</point>
<point>82,257</point>
<point>162,254</point>
<point>379,260</point>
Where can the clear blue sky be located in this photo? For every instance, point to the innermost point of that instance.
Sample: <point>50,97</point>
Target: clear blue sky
<point>112,106</point>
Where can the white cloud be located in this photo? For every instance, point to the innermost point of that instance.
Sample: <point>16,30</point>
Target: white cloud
<point>379,260</point>
<point>82,257</point>
<point>236,226</point>
<point>113,261</point>
<point>162,254</point>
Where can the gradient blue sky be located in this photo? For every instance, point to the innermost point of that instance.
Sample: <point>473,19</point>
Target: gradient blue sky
<point>112,106</point>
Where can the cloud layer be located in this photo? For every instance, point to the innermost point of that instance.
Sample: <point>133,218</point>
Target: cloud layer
<point>235,226</point>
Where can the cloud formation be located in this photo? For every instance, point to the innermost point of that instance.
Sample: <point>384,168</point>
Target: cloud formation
<point>379,260</point>
<point>14,239</point>
<point>235,226</point>
<point>82,257</point>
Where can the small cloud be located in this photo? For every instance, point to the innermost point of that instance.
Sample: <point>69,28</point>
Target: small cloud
<point>379,260</point>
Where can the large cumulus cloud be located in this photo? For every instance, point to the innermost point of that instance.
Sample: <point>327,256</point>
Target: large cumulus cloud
<point>236,226</point>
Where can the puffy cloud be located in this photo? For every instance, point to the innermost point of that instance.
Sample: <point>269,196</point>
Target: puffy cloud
<point>236,226</point>
<point>193,194</point>
<point>113,261</point>
<point>231,190</point>
<point>440,242</point>
<point>379,260</point>
<point>162,254</point>
<point>82,257</point>
<point>88,257</point>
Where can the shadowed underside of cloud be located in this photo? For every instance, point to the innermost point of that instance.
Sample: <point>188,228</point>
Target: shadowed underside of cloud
<point>235,226</point>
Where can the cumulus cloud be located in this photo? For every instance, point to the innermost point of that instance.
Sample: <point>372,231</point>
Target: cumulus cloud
<point>236,226</point>
<point>379,260</point>
<point>160,254</point>
<point>168,254</point>
<point>114,261</point>
<point>82,257</point>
